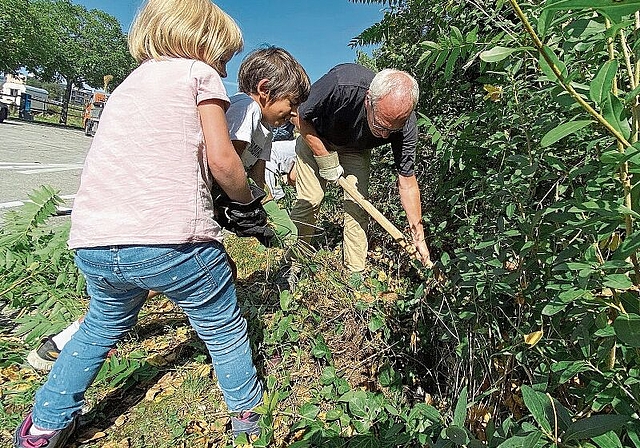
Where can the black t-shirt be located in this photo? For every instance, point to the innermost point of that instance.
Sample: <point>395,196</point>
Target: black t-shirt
<point>336,109</point>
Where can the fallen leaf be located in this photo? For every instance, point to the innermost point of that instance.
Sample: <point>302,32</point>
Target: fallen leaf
<point>155,345</point>
<point>494,92</point>
<point>93,435</point>
<point>21,387</point>
<point>121,420</point>
<point>203,370</point>
<point>428,399</point>
<point>183,334</point>
<point>532,339</point>
<point>413,344</point>
<point>168,381</point>
<point>197,427</point>
<point>157,360</point>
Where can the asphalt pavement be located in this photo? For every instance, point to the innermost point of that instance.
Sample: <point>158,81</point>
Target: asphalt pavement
<point>33,154</point>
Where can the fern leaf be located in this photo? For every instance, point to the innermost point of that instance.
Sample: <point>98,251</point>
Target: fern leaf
<point>19,224</point>
<point>374,35</point>
<point>390,3</point>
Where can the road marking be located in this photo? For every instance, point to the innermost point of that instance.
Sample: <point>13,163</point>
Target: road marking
<point>38,168</point>
<point>13,204</point>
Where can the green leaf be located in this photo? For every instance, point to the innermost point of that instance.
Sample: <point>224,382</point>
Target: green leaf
<point>544,20</point>
<point>614,112</point>
<point>451,62</point>
<point>430,44</point>
<point>530,441</point>
<point>614,9</point>
<point>571,295</point>
<point>457,435</point>
<point>612,157</point>
<point>320,349</point>
<point>536,403</point>
<point>627,328</point>
<point>388,376</point>
<point>561,131</point>
<point>568,369</point>
<point>285,300</point>
<point>309,411</point>
<point>629,97</point>
<point>334,414</point>
<point>457,35</point>
<point>376,323</point>
<point>617,281</point>
<point>593,426</point>
<point>497,54</point>
<point>546,68</point>
<point>601,85</point>
<point>360,405</point>
<point>630,245</point>
<point>460,413</point>
<point>364,441</point>
<point>328,375</point>
<point>423,410</point>
<point>608,440</point>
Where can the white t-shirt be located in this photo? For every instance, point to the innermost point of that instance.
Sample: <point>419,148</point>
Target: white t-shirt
<point>146,179</point>
<point>244,119</point>
<point>283,156</point>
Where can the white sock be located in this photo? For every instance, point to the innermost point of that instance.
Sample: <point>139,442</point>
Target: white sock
<point>64,336</point>
<point>35,431</point>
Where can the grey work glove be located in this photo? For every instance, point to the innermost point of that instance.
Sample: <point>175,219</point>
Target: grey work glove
<point>329,165</point>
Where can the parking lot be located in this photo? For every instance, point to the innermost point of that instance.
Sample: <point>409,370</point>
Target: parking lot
<point>33,154</point>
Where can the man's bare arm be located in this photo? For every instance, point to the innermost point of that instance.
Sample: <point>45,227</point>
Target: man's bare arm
<point>410,199</point>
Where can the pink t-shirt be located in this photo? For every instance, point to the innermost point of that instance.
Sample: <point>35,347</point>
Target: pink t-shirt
<point>146,179</point>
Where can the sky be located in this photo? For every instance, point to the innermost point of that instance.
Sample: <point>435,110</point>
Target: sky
<point>316,32</point>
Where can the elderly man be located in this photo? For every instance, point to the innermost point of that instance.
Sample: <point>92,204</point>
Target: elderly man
<point>351,110</point>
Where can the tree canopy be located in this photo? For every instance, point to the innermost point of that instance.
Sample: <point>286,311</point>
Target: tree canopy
<point>17,39</point>
<point>59,40</point>
<point>77,44</point>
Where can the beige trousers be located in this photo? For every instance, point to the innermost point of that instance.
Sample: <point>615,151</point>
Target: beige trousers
<point>310,189</point>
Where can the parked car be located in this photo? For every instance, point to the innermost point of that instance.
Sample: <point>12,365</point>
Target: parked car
<point>4,112</point>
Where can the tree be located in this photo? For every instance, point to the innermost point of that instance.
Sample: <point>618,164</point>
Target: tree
<point>18,35</point>
<point>79,46</point>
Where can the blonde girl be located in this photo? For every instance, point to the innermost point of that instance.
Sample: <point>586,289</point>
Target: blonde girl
<point>143,215</point>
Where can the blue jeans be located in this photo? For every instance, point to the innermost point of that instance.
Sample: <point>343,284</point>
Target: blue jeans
<point>196,277</point>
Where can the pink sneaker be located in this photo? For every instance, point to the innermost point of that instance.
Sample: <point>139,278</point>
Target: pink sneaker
<point>55,439</point>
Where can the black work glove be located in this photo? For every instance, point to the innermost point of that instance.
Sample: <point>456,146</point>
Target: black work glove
<point>244,220</point>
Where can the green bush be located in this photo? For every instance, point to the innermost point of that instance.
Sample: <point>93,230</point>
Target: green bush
<point>530,202</point>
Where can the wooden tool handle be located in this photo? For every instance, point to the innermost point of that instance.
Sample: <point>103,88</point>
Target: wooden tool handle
<point>387,225</point>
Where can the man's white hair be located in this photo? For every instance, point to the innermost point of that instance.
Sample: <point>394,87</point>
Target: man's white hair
<point>392,80</point>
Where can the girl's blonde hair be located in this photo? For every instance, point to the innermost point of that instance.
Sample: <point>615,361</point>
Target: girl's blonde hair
<point>193,29</point>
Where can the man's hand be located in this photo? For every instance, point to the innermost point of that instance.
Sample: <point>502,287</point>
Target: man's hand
<point>423,252</point>
<point>244,219</point>
<point>329,166</point>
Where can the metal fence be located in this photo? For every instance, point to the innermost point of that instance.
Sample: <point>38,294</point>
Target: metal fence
<point>47,111</point>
